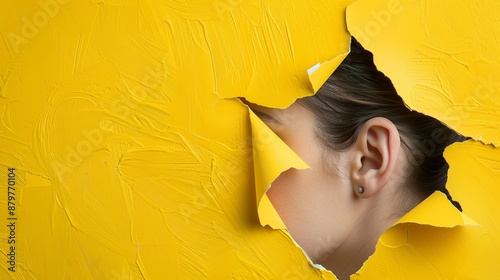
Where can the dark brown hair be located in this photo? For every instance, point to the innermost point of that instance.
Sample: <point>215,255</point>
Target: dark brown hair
<point>357,92</point>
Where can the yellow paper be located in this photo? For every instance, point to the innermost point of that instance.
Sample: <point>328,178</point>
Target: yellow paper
<point>435,240</point>
<point>271,156</point>
<point>447,217</point>
<point>132,160</point>
<point>319,73</point>
<point>442,57</point>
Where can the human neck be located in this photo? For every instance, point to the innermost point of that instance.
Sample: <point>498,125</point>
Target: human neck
<point>350,255</point>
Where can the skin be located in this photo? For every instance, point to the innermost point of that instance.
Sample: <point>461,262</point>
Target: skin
<point>337,226</point>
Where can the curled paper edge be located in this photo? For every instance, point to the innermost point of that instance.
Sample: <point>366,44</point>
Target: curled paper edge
<point>319,73</point>
<point>271,156</point>
<point>448,216</point>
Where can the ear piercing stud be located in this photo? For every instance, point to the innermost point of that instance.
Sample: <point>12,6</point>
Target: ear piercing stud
<point>361,189</point>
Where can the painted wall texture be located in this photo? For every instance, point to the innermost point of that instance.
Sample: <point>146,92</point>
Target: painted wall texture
<point>124,153</point>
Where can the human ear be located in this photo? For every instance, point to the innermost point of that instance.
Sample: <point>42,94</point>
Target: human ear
<point>375,155</point>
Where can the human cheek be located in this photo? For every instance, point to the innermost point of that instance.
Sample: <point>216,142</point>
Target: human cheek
<point>293,199</point>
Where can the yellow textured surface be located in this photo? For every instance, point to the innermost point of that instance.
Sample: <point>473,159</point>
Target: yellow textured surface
<point>270,157</point>
<point>431,242</point>
<point>442,57</point>
<point>132,162</point>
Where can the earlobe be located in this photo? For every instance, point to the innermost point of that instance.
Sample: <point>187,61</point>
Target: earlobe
<point>375,155</point>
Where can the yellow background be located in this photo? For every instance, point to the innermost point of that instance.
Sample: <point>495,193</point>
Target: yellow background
<point>134,161</point>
